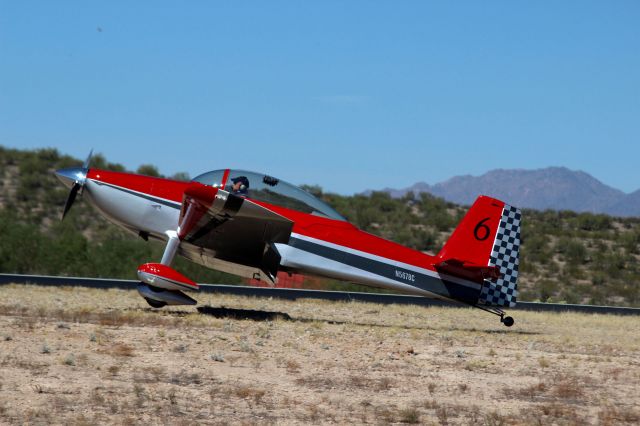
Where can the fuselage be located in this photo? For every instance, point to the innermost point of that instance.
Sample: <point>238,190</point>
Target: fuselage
<point>322,246</point>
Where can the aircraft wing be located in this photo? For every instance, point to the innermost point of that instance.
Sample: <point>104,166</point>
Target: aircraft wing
<point>232,228</point>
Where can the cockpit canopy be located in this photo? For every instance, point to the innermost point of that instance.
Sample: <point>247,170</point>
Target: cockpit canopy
<point>267,189</point>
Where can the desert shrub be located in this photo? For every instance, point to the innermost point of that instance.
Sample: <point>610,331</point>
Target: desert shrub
<point>593,222</point>
<point>573,250</point>
<point>546,289</point>
<point>598,278</point>
<point>19,246</point>
<point>436,212</point>
<point>536,248</point>
<point>548,222</point>
<point>630,241</point>
<point>527,267</point>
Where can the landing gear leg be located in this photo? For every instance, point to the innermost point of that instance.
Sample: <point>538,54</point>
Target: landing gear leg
<point>506,320</point>
<point>171,249</point>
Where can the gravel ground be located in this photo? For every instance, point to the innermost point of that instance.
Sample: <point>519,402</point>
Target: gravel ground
<point>85,356</point>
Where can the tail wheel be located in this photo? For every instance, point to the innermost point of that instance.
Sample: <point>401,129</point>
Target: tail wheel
<point>508,321</point>
<point>155,303</point>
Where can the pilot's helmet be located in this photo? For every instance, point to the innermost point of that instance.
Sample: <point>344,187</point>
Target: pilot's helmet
<point>244,183</point>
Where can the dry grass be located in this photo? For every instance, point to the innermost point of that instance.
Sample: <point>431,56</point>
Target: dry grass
<point>84,356</point>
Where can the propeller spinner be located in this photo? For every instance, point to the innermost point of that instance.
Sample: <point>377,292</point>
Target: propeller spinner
<point>73,178</point>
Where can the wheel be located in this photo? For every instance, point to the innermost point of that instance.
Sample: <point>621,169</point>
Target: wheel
<point>508,321</point>
<point>155,303</point>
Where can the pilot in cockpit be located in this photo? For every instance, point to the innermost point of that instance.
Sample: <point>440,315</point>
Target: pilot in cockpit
<point>240,186</point>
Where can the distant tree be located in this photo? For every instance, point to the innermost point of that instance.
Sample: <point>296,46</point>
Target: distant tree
<point>148,170</point>
<point>410,197</point>
<point>181,176</point>
<point>315,190</point>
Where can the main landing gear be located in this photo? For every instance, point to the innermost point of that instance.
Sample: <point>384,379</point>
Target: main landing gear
<point>506,320</point>
<point>160,285</point>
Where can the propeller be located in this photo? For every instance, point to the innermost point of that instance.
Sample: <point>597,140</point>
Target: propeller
<point>71,198</point>
<point>74,178</point>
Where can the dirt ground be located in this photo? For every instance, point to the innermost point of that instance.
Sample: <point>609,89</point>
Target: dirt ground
<point>84,356</point>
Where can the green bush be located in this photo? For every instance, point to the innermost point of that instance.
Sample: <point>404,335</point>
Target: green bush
<point>592,222</point>
<point>547,289</point>
<point>573,250</point>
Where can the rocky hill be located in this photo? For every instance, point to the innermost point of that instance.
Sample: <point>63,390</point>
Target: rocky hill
<point>556,188</point>
<point>627,206</point>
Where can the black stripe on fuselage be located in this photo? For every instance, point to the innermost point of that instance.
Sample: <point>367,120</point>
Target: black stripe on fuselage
<point>426,282</point>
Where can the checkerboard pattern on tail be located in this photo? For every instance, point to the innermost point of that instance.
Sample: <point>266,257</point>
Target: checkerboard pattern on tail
<point>506,256</point>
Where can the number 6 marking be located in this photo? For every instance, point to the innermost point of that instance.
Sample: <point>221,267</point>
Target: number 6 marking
<point>479,226</point>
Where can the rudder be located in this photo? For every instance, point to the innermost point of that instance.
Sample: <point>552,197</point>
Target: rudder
<point>505,255</point>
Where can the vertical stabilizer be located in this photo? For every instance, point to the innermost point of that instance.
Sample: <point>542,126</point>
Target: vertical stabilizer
<point>505,255</point>
<point>485,248</point>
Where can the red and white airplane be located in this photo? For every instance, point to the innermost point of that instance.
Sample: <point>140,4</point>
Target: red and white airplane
<point>254,225</point>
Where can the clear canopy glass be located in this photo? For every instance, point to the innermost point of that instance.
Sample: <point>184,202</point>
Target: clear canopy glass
<point>268,189</point>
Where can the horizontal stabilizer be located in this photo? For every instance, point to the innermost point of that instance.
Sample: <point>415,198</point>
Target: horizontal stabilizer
<point>468,270</point>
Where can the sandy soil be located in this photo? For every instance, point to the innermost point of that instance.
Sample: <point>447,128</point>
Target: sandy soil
<point>81,356</point>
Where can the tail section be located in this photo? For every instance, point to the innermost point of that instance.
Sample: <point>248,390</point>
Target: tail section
<point>485,247</point>
<point>506,256</point>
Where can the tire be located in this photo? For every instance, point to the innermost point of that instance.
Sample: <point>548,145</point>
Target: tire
<point>155,303</point>
<point>508,321</point>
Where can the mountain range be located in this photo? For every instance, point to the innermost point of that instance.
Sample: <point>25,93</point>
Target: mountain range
<point>556,188</point>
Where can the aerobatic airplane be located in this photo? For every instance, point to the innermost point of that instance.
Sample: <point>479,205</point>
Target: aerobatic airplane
<point>254,225</point>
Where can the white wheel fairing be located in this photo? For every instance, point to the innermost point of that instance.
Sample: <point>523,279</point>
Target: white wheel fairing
<point>162,282</point>
<point>169,297</point>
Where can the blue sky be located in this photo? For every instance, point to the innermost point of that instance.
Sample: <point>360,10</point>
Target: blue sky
<point>347,95</point>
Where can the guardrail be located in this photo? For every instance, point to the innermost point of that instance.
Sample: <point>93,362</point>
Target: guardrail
<point>293,294</point>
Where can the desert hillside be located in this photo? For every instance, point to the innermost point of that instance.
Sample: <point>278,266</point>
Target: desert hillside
<point>566,256</point>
